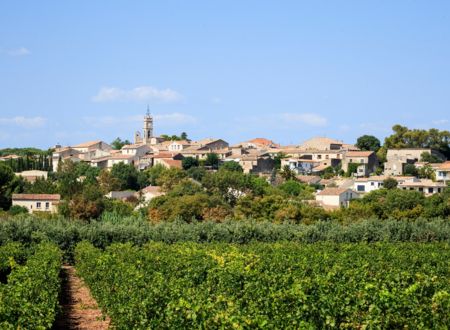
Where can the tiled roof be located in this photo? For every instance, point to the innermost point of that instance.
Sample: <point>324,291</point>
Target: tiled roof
<point>38,197</point>
<point>444,166</point>
<point>422,183</point>
<point>86,144</point>
<point>332,191</point>
<point>173,163</point>
<point>359,153</point>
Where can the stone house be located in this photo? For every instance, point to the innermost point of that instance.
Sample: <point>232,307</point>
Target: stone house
<point>367,162</point>
<point>335,197</point>
<point>37,202</point>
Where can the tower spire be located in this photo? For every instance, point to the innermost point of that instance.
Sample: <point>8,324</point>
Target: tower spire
<point>148,110</point>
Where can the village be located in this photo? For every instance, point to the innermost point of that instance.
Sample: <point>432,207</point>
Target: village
<point>319,161</point>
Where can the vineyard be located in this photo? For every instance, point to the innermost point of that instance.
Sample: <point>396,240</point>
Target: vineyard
<point>270,285</point>
<point>29,286</point>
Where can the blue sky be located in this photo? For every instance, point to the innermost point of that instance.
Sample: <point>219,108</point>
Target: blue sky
<point>286,70</point>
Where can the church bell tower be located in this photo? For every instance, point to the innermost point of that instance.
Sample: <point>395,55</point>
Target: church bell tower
<point>148,127</point>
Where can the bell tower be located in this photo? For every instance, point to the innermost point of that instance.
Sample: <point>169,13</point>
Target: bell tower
<point>148,127</point>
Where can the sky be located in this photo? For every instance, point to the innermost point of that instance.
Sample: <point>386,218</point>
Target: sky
<point>76,71</point>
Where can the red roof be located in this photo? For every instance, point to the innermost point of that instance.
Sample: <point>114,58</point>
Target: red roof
<point>36,197</point>
<point>359,153</point>
<point>173,163</point>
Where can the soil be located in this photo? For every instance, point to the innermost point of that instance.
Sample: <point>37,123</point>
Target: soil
<point>78,309</point>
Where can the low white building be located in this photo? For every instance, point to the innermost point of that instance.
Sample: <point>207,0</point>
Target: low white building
<point>442,171</point>
<point>335,197</point>
<point>135,150</point>
<point>425,186</point>
<point>37,202</point>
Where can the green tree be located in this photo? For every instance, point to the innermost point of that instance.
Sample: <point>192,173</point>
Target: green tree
<point>153,173</point>
<point>390,183</point>
<point>232,166</point>
<point>410,169</point>
<point>212,160</point>
<point>6,178</point>
<point>189,162</point>
<point>127,175</point>
<point>351,169</point>
<point>170,178</point>
<point>427,172</point>
<point>429,158</point>
<point>183,136</point>
<point>368,142</point>
<point>403,137</point>
<point>277,160</point>
<point>117,144</point>
<point>287,174</point>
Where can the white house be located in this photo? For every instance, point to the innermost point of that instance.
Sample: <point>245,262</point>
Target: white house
<point>137,150</point>
<point>442,171</point>
<point>426,186</point>
<point>37,202</point>
<point>335,197</point>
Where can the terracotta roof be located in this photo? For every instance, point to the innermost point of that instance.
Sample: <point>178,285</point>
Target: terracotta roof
<point>308,178</point>
<point>38,197</point>
<point>320,168</point>
<point>164,155</point>
<point>359,153</point>
<point>182,142</point>
<point>444,166</point>
<point>10,157</point>
<point>264,142</point>
<point>86,144</point>
<point>173,163</point>
<point>332,191</point>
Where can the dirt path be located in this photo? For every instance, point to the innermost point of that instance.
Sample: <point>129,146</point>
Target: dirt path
<point>79,309</point>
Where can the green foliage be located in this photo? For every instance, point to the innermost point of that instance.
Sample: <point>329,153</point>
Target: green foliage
<point>368,142</point>
<point>169,178</point>
<point>351,169</point>
<point>153,173</point>
<point>16,209</point>
<point>212,160</point>
<point>427,172</point>
<point>274,286</point>
<point>410,169</point>
<point>277,159</point>
<point>30,298</point>
<point>390,183</point>
<point>189,162</point>
<point>182,136</point>
<point>6,178</point>
<point>128,177</point>
<point>117,144</point>
<point>287,174</point>
<point>429,158</point>
<point>403,137</point>
<point>196,173</point>
<point>232,166</point>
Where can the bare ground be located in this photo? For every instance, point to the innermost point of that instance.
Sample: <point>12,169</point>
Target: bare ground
<point>79,310</point>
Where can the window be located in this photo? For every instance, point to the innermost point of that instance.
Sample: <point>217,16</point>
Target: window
<point>361,161</point>
<point>430,190</point>
<point>361,188</point>
<point>372,183</point>
<point>421,189</point>
<point>47,205</point>
<point>326,157</point>
<point>319,156</point>
<point>38,205</point>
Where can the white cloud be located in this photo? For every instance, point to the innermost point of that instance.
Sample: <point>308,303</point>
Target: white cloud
<point>21,51</point>
<point>440,122</point>
<point>138,94</point>
<point>26,122</point>
<point>310,119</point>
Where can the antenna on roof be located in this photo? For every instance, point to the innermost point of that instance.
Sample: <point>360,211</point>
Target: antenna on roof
<point>148,110</point>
